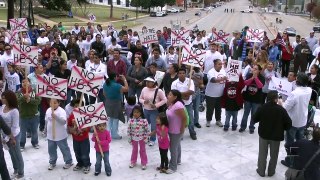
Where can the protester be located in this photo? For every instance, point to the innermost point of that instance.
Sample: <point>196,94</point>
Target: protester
<point>152,98</point>
<point>287,56</point>
<point>104,140</point>
<point>186,87</point>
<point>301,56</point>
<point>169,77</point>
<point>197,77</point>
<point>135,75</point>
<point>273,121</point>
<point>10,114</point>
<point>113,94</point>
<point>177,123</point>
<point>214,91</point>
<point>138,136</point>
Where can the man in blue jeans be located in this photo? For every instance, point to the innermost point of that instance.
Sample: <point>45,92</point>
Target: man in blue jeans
<point>186,87</point>
<point>297,108</point>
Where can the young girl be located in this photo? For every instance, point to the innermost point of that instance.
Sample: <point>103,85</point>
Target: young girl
<point>104,141</point>
<point>131,102</point>
<point>163,140</point>
<point>13,79</point>
<point>138,136</point>
<point>57,134</point>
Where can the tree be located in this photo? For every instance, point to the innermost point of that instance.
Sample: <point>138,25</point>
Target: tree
<point>316,12</point>
<point>58,5</point>
<point>170,2</point>
<point>310,7</point>
<point>263,3</point>
<point>111,10</point>
<point>290,4</point>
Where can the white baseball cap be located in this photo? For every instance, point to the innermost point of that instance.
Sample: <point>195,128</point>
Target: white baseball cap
<point>150,79</point>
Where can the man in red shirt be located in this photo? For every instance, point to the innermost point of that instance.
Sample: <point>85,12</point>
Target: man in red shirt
<point>117,65</point>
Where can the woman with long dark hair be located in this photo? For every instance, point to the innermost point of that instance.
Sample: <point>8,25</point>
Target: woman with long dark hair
<point>177,119</point>
<point>135,75</point>
<point>113,99</point>
<point>10,114</point>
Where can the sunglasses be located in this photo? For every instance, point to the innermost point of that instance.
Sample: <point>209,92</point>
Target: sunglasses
<point>7,49</point>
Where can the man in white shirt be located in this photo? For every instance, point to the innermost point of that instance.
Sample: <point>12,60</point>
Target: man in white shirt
<point>186,87</point>
<point>76,29</point>
<point>42,40</point>
<point>311,40</point>
<point>214,90</point>
<point>297,108</point>
<point>6,58</point>
<point>211,55</point>
<point>295,44</point>
<point>315,46</point>
<point>86,44</point>
<point>72,62</point>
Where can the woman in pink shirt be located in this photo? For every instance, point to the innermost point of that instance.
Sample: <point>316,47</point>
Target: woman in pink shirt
<point>177,123</point>
<point>150,102</point>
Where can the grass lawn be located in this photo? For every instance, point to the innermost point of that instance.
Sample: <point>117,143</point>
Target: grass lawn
<point>64,19</point>
<point>102,13</point>
<point>117,25</point>
<point>3,15</point>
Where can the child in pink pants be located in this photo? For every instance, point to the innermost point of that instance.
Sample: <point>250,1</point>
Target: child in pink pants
<point>138,136</point>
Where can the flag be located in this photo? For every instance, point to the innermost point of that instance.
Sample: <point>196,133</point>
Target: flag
<point>279,40</point>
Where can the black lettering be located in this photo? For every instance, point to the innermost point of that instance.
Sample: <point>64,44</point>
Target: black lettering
<point>86,74</point>
<point>90,108</point>
<point>40,88</point>
<point>80,121</point>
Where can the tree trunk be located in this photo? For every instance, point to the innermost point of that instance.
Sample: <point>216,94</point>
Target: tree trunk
<point>111,9</point>
<point>10,12</point>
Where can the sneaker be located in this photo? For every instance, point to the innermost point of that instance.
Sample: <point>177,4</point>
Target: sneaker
<point>251,131</point>
<point>108,174</point>
<point>225,129</point>
<point>193,137</point>
<point>179,163</point>
<point>86,170</point>
<point>144,167</point>
<point>18,176</point>
<point>158,168</point>
<point>51,166</point>
<point>208,124</point>
<point>36,146</point>
<point>218,123</point>
<point>197,125</point>
<point>67,166</point>
<point>14,175</point>
<point>163,170</point>
<point>21,149</point>
<point>132,165</point>
<point>260,174</point>
<point>96,173</point>
<point>241,130</point>
<point>77,168</point>
<point>234,129</point>
<point>28,135</point>
<point>170,171</point>
<point>151,143</point>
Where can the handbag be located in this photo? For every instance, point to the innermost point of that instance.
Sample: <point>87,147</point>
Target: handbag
<point>162,108</point>
<point>294,174</point>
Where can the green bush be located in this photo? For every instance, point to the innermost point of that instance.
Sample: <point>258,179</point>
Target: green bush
<point>48,13</point>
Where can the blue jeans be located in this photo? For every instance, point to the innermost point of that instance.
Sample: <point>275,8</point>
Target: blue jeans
<point>293,134</point>
<point>42,111</point>
<point>32,125</point>
<point>234,115</point>
<point>248,106</point>
<point>151,116</point>
<point>196,104</point>
<point>134,91</point>
<point>70,93</point>
<point>191,124</point>
<point>16,157</point>
<point>82,152</point>
<point>113,125</point>
<point>64,148</point>
<point>107,166</point>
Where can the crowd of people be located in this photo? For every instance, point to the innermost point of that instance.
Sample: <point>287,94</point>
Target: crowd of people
<point>147,87</point>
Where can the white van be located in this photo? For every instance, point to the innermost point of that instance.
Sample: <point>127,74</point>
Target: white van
<point>159,14</point>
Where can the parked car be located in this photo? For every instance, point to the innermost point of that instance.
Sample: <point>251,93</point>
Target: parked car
<point>164,13</point>
<point>290,31</point>
<point>173,10</point>
<point>182,10</point>
<point>153,14</point>
<point>247,11</point>
<point>316,28</point>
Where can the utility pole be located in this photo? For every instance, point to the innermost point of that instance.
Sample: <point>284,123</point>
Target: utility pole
<point>10,12</point>
<point>20,11</point>
<point>286,8</point>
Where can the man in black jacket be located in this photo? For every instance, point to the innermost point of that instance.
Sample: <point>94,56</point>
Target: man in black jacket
<point>3,166</point>
<point>273,121</point>
<point>98,46</point>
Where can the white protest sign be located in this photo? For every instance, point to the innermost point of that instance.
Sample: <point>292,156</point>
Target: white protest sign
<point>255,35</point>
<point>51,87</point>
<point>234,68</point>
<point>193,56</point>
<point>25,55</point>
<point>13,37</point>
<point>19,24</point>
<point>148,36</point>
<point>220,37</point>
<point>90,115</point>
<point>180,38</point>
<point>283,86</point>
<point>159,77</point>
<point>85,81</point>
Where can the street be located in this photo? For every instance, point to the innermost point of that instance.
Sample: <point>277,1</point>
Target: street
<point>216,155</point>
